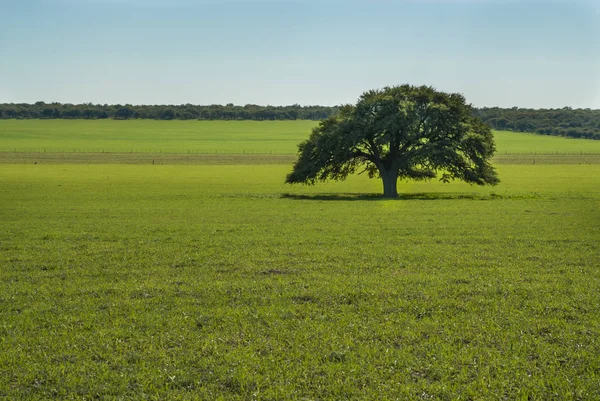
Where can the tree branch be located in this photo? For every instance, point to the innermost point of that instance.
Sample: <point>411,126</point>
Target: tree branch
<point>364,155</point>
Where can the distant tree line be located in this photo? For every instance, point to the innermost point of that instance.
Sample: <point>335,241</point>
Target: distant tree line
<point>568,122</point>
<point>165,112</point>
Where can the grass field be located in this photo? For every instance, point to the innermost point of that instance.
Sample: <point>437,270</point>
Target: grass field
<point>217,281</point>
<point>149,136</point>
<point>153,136</point>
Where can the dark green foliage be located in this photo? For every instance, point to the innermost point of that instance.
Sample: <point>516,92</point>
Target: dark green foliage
<point>160,112</point>
<point>401,132</point>
<point>568,122</point>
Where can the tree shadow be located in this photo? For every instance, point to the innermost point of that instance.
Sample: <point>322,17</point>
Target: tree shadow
<point>401,197</point>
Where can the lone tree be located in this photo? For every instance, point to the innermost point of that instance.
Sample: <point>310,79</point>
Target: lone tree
<point>404,132</point>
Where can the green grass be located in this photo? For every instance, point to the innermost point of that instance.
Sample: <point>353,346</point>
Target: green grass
<point>153,136</point>
<point>220,282</point>
<point>149,136</point>
<point>519,142</point>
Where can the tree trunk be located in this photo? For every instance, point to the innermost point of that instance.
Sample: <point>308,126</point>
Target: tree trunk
<point>390,183</point>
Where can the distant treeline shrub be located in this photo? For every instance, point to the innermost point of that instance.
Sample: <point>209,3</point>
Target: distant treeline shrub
<point>164,112</point>
<point>567,122</point>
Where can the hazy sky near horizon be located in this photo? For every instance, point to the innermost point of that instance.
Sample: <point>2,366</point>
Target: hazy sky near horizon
<point>503,53</point>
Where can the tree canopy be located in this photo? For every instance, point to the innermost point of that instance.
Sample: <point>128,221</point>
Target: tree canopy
<point>402,132</point>
<point>567,122</point>
<point>91,111</point>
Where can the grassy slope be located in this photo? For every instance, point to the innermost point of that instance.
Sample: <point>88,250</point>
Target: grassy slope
<point>167,282</point>
<point>212,136</point>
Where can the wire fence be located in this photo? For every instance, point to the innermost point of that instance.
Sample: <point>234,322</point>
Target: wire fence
<point>239,151</point>
<point>154,151</point>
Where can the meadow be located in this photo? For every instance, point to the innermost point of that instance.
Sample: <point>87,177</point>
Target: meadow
<point>150,136</point>
<point>214,280</point>
<point>225,137</point>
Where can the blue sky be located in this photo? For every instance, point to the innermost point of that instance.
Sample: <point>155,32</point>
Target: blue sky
<point>497,53</point>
